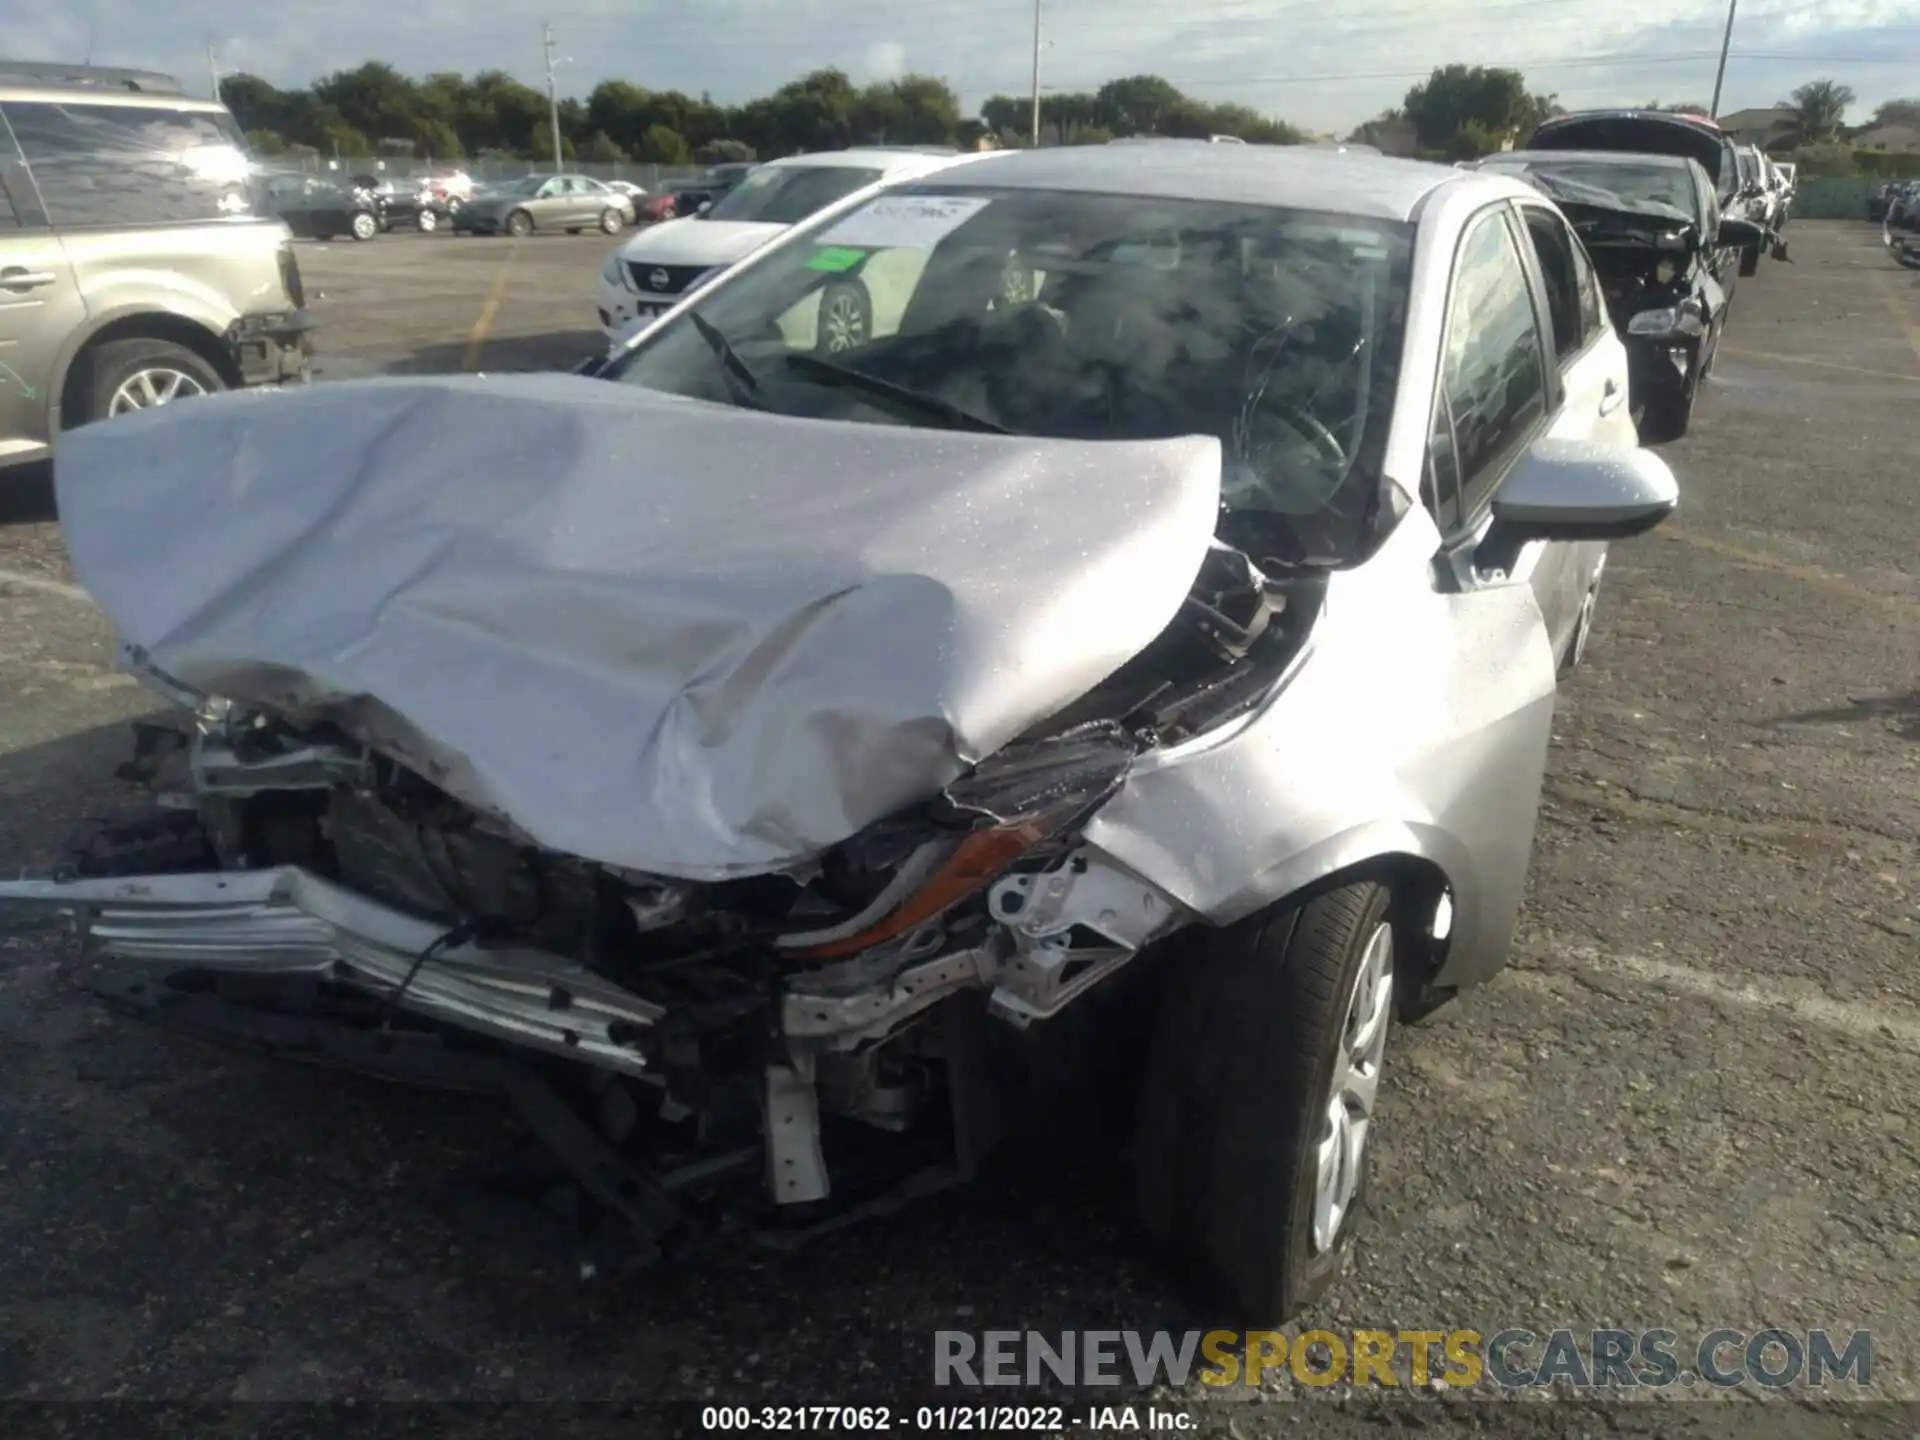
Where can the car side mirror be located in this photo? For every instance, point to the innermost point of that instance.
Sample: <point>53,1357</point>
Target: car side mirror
<point>1735,231</point>
<point>1577,490</point>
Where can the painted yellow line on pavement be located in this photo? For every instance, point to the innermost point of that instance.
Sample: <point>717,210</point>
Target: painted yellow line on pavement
<point>1742,354</point>
<point>483,326</point>
<point>1779,565</point>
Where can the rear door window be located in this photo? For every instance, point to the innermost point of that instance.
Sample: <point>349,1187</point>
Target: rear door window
<point>131,165</point>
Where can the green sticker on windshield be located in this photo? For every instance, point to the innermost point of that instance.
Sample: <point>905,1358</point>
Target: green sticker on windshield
<point>836,258</point>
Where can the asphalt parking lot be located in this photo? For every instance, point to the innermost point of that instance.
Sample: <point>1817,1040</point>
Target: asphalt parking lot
<point>1692,1102</point>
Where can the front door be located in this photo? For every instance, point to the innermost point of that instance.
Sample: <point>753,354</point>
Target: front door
<point>40,308</point>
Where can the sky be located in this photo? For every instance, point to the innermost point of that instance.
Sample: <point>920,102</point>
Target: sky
<point>1297,60</point>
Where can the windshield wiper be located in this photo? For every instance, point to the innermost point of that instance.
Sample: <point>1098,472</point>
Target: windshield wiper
<point>741,380</point>
<point>828,373</point>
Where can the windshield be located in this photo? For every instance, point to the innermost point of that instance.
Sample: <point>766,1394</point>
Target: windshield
<point>1084,317</point>
<point>788,194</point>
<point>1631,180</point>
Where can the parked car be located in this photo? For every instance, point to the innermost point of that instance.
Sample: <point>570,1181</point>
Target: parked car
<point>817,763</point>
<point>412,204</point>
<point>1759,203</point>
<point>315,208</point>
<point>1660,132</point>
<point>135,269</point>
<point>1664,258</point>
<point>1881,200</point>
<point>1900,228</point>
<point>572,203</point>
<point>709,187</point>
<point>649,272</point>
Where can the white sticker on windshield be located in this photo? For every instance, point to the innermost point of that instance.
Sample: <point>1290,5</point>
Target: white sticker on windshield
<point>913,221</point>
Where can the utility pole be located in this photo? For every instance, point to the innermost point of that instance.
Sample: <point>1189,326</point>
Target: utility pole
<point>213,68</point>
<point>553,100</point>
<point>1720,75</point>
<point>1036,74</point>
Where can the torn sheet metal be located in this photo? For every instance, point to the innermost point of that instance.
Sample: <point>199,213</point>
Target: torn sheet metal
<point>673,636</point>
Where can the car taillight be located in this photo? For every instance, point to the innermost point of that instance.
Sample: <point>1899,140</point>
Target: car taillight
<point>290,276</point>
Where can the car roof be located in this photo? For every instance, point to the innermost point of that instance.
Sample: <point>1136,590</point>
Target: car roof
<point>1607,157</point>
<point>877,159</point>
<point>1300,177</point>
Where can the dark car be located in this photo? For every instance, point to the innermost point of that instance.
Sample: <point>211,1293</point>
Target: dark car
<point>317,209</point>
<point>709,188</point>
<point>1880,201</point>
<point>405,204</point>
<point>1664,132</point>
<point>1664,252</point>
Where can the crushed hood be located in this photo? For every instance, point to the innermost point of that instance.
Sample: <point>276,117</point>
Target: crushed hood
<point>650,631</point>
<point>1599,204</point>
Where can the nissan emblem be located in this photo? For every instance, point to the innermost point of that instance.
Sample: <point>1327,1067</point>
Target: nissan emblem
<point>659,279</point>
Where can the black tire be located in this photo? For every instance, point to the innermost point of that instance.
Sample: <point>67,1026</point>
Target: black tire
<point>1666,419</point>
<point>1236,1098</point>
<point>105,368</point>
<point>426,222</point>
<point>573,229</point>
<point>519,224</point>
<point>612,222</point>
<point>846,318</point>
<point>1750,260</point>
<point>1576,651</point>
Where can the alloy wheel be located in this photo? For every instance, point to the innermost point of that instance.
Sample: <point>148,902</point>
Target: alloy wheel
<point>1341,1155</point>
<point>845,321</point>
<point>159,385</point>
<point>365,227</point>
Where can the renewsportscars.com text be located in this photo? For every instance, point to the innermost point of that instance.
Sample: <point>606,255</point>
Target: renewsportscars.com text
<point>1461,1359</point>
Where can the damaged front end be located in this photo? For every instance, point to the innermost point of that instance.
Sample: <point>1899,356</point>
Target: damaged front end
<point>824,1020</point>
<point>1662,299</point>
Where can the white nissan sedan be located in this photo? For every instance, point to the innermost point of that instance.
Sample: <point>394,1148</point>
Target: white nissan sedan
<point>647,273</point>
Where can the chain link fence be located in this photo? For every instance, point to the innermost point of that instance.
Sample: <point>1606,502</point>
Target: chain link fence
<point>485,170</point>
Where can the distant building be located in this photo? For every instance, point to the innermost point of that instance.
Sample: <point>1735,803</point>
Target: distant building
<point>1760,127</point>
<point>1889,139</point>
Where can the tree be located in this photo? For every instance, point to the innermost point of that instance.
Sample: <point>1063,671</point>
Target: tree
<point>601,149</point>
<point>663,145</point>
<point>1819,109</point>
<point>724,152</point>
<point>1455,95</point>
<point>1897,112</point>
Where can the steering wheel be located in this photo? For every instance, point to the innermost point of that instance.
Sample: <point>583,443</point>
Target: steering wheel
<point>1307,428</point>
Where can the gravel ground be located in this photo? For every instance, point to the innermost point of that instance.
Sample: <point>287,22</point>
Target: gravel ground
<point>1692,1102</point>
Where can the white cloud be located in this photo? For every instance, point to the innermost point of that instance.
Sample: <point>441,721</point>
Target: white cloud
<point>884,60</point>
<point>1322,65</point>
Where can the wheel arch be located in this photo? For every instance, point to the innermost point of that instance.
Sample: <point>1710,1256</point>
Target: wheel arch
<point>167,325</point>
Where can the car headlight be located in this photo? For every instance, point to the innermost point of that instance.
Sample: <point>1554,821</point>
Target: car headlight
<point>979,828</point>
<point>615,272</point>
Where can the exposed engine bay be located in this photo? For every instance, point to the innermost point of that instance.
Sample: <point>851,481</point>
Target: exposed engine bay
<point>771,1016</point>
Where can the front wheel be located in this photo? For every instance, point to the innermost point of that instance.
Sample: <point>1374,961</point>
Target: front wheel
<point>1258,1100</point>
<point>427,221</point>
<point>846,318</point>
<point>1666,418</point>
<point>520,224</point>
<point>365,227</point>
<point>127,375</point>
<point>612,222</point>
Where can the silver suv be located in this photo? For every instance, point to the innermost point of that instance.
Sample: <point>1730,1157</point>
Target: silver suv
<point>133,267</point>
